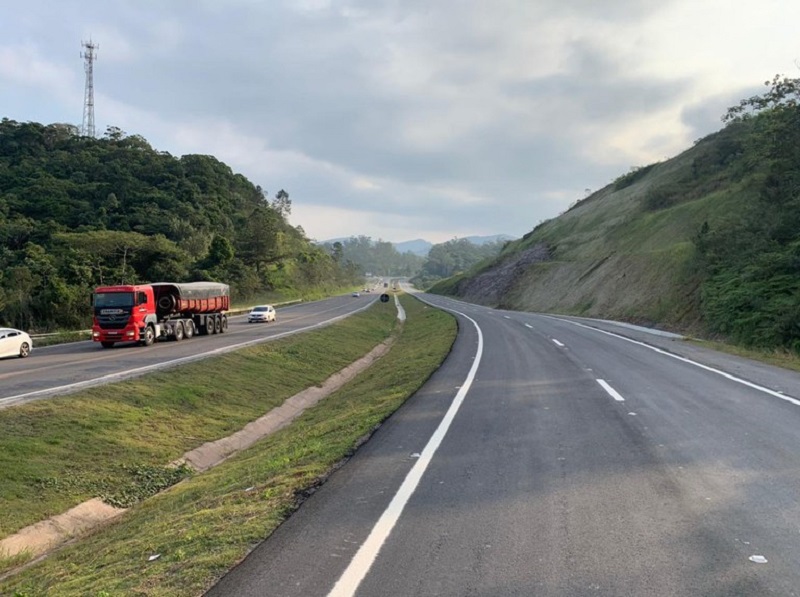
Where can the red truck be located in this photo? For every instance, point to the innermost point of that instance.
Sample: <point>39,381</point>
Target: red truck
<point>145,313</point>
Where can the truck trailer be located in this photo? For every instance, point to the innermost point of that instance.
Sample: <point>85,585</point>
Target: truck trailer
<point>144,313</point>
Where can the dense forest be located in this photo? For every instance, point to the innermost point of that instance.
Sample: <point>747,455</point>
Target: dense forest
<point>453,257</point>
<point>376,257</point>
<point>78,212</point>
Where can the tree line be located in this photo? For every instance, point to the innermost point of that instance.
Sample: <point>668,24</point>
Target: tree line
<point>78,212</point>
<point>376,257</point>
<point>751,291</point>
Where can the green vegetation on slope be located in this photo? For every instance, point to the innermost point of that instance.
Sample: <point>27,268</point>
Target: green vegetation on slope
<point>707,242</point>
<point>77,212</point>
<point>376,257</point>
<point>454,257</point>
<point>206,524</point>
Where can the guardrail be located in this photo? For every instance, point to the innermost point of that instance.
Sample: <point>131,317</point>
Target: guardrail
<point>230,312</point>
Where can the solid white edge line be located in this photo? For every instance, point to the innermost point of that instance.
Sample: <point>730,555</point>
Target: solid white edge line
<point>611,391</point>
<point>724,374</point>
<point>122,375</point>
<point>362,561</point>
<point>557,343</point>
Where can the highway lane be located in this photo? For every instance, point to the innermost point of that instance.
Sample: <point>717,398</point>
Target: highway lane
<point>56,370</point>
<point>584,460</point>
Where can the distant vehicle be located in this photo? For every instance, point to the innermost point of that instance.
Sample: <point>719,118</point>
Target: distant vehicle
<point>262,313</point>
<point>145,313</point>
<point>15,343</point>
<point>356,294</point>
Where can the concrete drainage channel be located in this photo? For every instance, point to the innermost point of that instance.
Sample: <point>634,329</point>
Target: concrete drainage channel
<point>42,538</point>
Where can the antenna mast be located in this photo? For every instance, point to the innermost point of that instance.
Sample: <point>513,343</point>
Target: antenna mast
<point>89,56</point>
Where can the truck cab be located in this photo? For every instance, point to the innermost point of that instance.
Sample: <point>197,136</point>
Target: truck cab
<point>122,313</point>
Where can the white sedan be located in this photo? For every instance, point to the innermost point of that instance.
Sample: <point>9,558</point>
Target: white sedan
<point>265,313</point>
<point>14,343</point>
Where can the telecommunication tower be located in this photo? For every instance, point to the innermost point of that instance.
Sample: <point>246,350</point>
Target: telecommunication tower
<point>89,55</point>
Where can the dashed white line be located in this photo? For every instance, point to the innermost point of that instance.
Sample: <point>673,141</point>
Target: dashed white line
<point>611,391</point>
<point>529,326</point>
<point>724,374</point>
<point>557,343</point>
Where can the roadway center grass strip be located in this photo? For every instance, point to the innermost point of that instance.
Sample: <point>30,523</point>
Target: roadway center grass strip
<point>207,523</point>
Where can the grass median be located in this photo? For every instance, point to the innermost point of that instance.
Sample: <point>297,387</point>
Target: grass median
<point>98,442</point>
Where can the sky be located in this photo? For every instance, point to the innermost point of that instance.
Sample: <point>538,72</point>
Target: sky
<point>400,120</point>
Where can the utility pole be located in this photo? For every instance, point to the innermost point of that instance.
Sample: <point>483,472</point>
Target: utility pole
<point>89,56</point>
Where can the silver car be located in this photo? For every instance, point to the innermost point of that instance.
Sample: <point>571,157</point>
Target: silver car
<point>14,343</point>
<point>262,313</point>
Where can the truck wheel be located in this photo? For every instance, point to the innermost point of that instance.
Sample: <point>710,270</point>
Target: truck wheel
<point>179,331</point>
<point>217,324</point>
<point>107,344</point>
<point>149,336</point>
<point>188,328</point>
<point>209,325</point>
<point>223,324</point>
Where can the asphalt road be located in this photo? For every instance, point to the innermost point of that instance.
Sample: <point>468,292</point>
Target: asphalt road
<point>584,459</point>
<point>64,368</point>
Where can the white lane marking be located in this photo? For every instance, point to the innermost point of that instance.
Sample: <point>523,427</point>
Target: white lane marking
<point>365,556</point>
<point>557,343</point>
<point>529,326</point>
<point>121,375</point>
<point>611,391</point>
<point>506,317</point>
<point>724,374</point>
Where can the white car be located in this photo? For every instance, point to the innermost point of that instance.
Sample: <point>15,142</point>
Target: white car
<point>14,343</point>
<point>265,313</point>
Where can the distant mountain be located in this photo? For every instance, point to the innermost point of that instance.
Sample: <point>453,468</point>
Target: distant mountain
<point>482,240</point>
<point>417,247</point>
<point>421,246</point>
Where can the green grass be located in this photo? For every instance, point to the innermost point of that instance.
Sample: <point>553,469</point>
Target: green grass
<point>777,357</point>
<point>207,523</point>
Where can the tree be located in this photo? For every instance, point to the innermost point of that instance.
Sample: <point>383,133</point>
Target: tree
<point>282,204</point>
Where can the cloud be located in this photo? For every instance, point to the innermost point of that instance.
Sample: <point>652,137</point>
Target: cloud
<point>467,116</point>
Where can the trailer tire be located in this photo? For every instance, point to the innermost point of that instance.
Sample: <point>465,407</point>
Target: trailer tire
<point>107,344</point>
<point>217,324</point>
<point>223,323</point>
<point>149,336</point>
<point>188,329</point>
<point>210,328</point>
<point>179,331</point>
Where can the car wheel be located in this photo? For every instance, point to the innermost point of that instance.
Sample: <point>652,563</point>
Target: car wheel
<point>24,350</point>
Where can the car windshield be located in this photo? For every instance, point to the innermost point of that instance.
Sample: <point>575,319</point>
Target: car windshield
<point>261,309</point>
<point>113,299</point>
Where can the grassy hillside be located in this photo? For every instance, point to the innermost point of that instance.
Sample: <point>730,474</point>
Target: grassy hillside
<point>707,242</point>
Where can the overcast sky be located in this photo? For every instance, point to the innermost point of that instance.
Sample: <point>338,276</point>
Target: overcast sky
<point>403,119</point>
